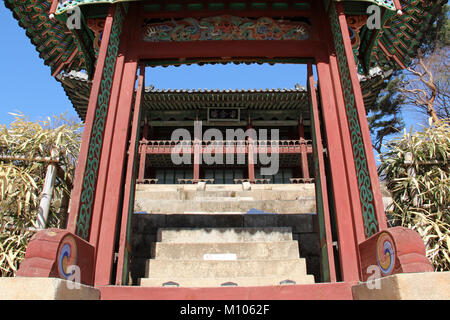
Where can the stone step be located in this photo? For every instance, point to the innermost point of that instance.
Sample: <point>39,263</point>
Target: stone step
<point>224,187</point>
<point>214,235</point>
<point>225,269</point>
<point>223,199</point>
<point>241,250</point>
<point>303,205</point>
<point>209,193</point>
<point>218,282</point>
<point>182,194</point>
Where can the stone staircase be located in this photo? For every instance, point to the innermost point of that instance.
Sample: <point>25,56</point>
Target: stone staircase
<point>230,199</point>
<point>215,257</point>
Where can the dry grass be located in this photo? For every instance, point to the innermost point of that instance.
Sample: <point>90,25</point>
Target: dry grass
<point>416,169</point>
<point>21,181</point>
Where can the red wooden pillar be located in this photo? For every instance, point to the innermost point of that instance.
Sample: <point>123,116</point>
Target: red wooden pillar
<point>146,130</point>
<point>304,155</point>
<point>113,184</point>
<point>197,149</point>
<point>369,169</point>
<point>143,153</point>
<point>251,155</point>
<point>346,242</point>
<point>108,139</point>
<point>348,256</point>
<point>357,195</point>
<point>130,179</point>
<point>142,159</point>
<point>322,204</point>
<point>351,177</point>
<point>301,129</point>
<point>303,150</point>
<point>87,171</point>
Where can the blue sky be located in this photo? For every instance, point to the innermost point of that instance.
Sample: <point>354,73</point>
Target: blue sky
<point>27,86</point>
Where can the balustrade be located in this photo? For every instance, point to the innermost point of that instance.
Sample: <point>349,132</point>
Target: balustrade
<point>228,146</point>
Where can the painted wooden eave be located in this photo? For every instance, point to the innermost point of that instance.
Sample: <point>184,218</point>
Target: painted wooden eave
<point>391,47</point>
<point>77,87</point>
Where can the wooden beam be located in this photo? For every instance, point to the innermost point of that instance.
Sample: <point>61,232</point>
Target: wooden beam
<point>114,188</point>
<point>130,184</point>
<point>143,147</point>
<point>348,255</point>
<point>53,7</point>
<point>364,126</point>
<point>89,123</point>
<point>304,156</point>
<point>320,177</point>
<point>255,49</point>
<point>256,123</point>
<point>250,155</point>
<point>36,159</point>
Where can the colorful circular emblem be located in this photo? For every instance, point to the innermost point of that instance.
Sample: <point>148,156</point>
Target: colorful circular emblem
<point>67,256</point>
<point>385,253</point>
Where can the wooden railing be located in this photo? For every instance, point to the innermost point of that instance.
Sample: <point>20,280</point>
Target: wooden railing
<point>226,146</point>
<point>147,181</point>
<point>301,180</point>
<point>236,181</point>
<point>255,181</point>
<point>194,181</point>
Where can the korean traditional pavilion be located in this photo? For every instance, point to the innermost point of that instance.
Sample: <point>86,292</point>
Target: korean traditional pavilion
<point>101,50</point>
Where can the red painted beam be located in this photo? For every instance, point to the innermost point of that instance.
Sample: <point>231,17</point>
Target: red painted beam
<point>256,49</point>
<point>53,7</point>
<point>320,291</point>
<point>397,4</point>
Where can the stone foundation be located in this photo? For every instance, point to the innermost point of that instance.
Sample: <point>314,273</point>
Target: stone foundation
<point>406,286</point>
<point>28,288</point>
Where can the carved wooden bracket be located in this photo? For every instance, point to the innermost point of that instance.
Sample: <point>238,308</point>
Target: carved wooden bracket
<point>394,250</point>
<point>60,254</point>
